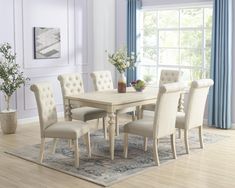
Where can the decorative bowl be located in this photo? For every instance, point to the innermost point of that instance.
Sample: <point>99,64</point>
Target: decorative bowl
<point>138,85</point>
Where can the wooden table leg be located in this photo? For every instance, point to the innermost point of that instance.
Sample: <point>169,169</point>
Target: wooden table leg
<point>111,133</point>
<point>139,112</point>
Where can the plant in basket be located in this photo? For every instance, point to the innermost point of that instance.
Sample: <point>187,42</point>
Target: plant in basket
<point>11,78</point>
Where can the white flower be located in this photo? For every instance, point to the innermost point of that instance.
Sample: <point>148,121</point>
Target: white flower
<point>121,60</point>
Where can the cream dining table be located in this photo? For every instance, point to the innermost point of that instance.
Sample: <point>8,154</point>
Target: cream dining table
<point>111,101</point>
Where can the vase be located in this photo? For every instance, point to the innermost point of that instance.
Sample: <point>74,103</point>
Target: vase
<point>122,83</point>
<point>7,100</point>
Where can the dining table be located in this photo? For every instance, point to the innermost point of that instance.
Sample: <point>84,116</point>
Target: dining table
<point>111,101</point>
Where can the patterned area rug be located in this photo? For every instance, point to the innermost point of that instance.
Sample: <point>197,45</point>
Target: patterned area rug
<point>100,169</point>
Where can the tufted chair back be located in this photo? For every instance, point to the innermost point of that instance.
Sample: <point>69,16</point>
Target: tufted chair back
<point>166,109</point>
<point>197,100</point>
<point>169,76</point>
<point>46,105</point>
<point>71,84</point>
<point>102,80</point>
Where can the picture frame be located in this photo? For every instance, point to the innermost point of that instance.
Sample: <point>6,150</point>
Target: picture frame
<point>47,43</point>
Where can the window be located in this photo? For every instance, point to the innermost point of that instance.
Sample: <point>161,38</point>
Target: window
<point>176,38</point>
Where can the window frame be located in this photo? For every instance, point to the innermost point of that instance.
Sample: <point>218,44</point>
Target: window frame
<point>157,65</point>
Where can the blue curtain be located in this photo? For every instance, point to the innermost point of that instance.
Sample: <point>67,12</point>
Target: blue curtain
<point>221,66</point>
<point>132,7</point>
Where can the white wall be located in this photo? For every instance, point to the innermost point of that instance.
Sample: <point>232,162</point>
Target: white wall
<point>87,34</point>
<point>121,23</point>
<point>103,34</point>
<point>18,17</point>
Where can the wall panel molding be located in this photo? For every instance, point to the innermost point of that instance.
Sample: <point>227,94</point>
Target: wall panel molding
<point>71,17</point>
<point>31,17</point>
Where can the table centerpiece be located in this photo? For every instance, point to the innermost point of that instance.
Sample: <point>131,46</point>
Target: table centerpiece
<point>122,61</point>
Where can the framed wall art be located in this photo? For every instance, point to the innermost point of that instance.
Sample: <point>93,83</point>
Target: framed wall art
<point>46,43</point>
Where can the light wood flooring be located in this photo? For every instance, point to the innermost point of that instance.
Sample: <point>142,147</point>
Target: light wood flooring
<point>213,167</point>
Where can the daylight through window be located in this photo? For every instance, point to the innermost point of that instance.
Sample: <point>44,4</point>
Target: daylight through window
<point>176,38</point>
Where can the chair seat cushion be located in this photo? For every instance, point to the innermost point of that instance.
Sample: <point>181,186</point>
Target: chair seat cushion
<point>67,130</point>
<point>142,127</point>
<point>180,120</point>
<point>87,113</point>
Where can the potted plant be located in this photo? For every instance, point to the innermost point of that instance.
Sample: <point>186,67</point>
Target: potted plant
<point>138,85</point>
<point>122,61</point>
<point>11,78</point>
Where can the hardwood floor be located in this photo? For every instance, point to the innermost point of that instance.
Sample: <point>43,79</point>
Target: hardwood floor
<point>212,167</point>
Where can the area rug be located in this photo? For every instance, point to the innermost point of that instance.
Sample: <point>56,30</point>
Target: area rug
<point>100,169</point>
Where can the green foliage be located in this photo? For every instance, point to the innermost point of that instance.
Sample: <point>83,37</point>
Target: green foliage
<point>168,19</point>
<point>121,60</point>
<point>166,41</point>
<point>139,85</point>
<point>10,75</point>
<point>149,18</point>
<point>192,17</point>
<point>147,78</point>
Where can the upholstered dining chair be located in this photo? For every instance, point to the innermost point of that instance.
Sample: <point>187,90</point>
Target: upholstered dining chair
<point>72,84</point>
<point>51,128</point>
<point>193,118</point>
<point>163,122</point>
<point>169,76</point>
<point>102,81</point>
<point>166,77</point>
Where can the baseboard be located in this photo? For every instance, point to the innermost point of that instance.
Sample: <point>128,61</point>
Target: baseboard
<point>35,119</point>
<point>28,120</point>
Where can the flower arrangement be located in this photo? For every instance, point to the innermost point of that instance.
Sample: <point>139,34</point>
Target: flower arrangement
<point>121,60</point>
<point>138,85</point>
<point>10,75</point>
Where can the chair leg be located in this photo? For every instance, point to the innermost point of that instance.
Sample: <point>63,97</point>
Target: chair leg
<point>186,141</point>
<point>173,146</point>
<point>41,150</point>
<point>201,137</point>
<point>54,145</point>
<point>141,113</point>
<point>97,123</point>
<point>105,129</point>
<point>116,125</point>
<point>180,133</point>
<point>88,143</point>
<point>76,153</point>
<point>125,145</point>
<point>155,152</point>
<point>133,116</point>
<point>70,143</point>
<point>145,143</point>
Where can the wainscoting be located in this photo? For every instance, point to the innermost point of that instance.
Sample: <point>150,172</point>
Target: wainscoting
<point>71,16</point>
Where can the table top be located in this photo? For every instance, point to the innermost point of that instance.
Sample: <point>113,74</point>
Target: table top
<point>112,97</point>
